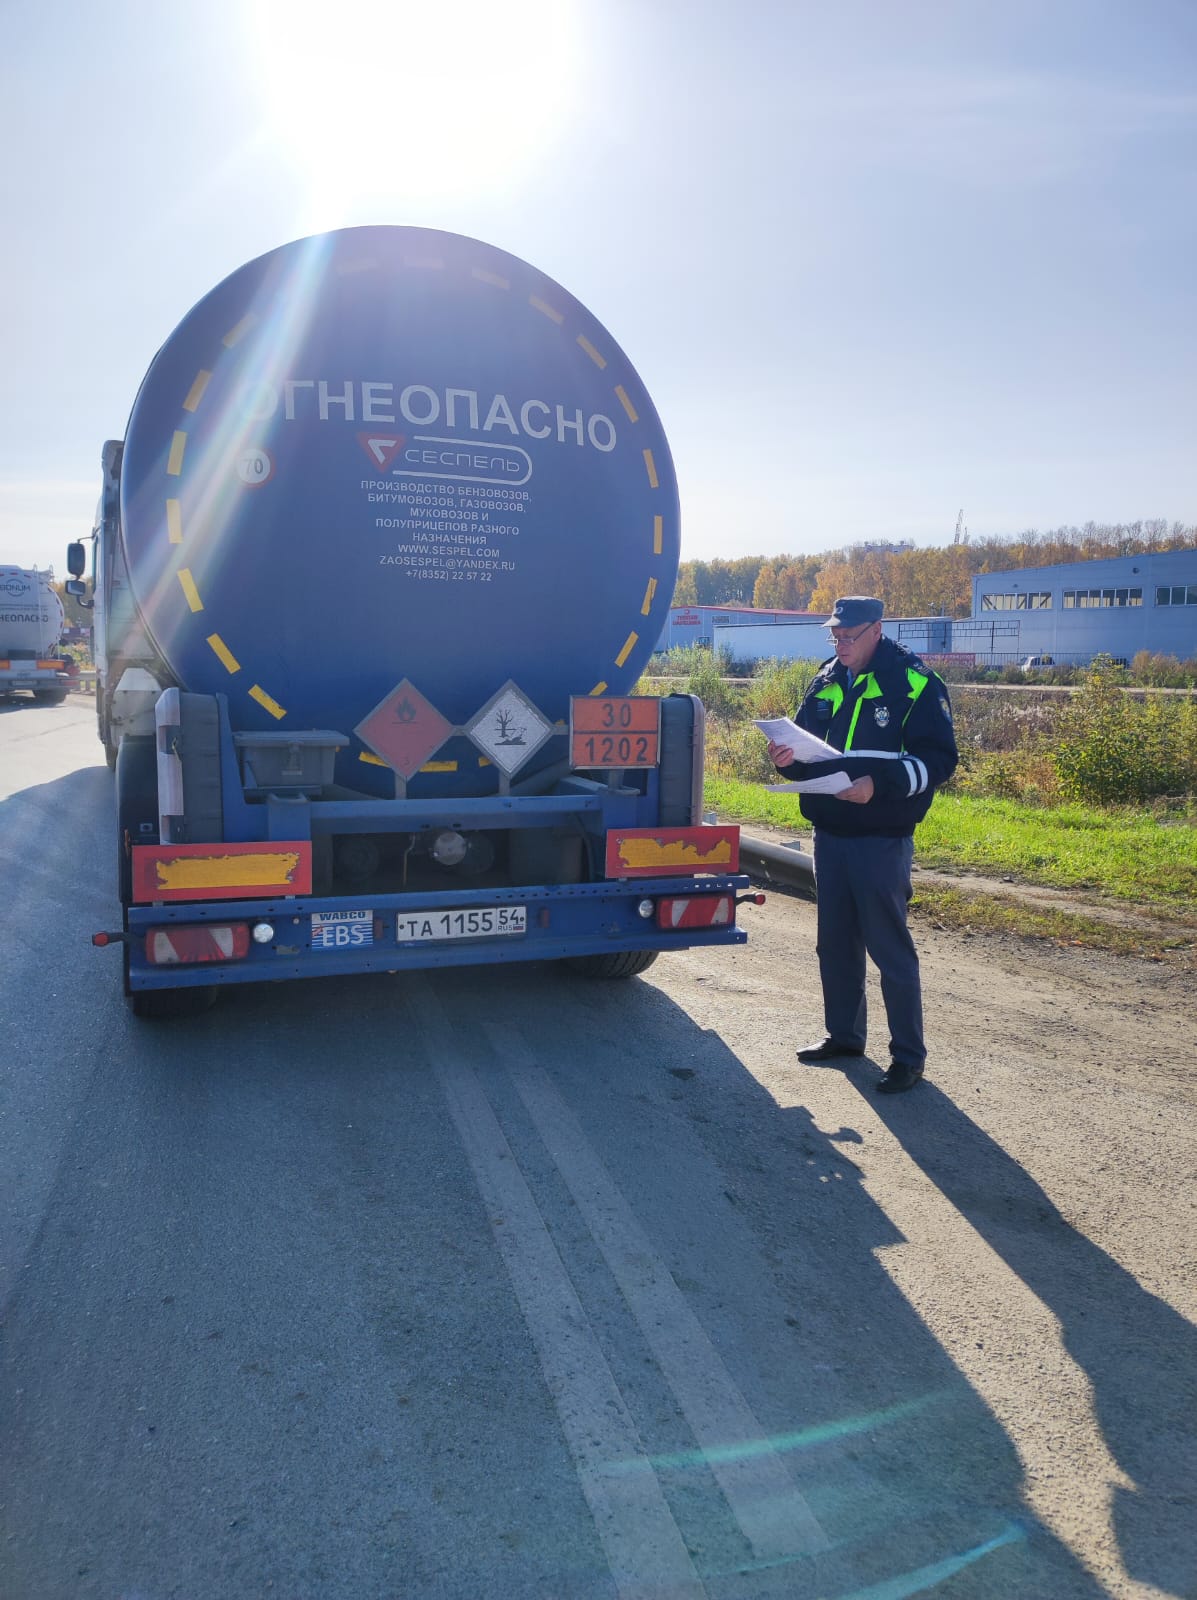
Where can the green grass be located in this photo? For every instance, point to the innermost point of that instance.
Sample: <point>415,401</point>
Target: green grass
<point>1120,854</point>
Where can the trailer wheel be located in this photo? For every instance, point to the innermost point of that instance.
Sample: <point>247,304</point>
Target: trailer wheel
<point>104,729</point>
<point>49,697</point>
<point>619,964</point>
<point>136,807</point>
<point>163,1004</point>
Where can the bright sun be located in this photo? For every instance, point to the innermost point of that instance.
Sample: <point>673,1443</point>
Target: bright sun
<point>385,101</point>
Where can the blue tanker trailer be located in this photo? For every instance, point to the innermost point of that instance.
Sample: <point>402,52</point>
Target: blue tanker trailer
<point>389,539</point>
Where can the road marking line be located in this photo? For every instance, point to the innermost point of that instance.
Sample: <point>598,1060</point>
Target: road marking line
<point>644,1549</point>
<point>773,1515</point>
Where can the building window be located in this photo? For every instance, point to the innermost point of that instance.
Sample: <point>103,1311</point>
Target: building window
<point>1086,599</point>
<point>1017,602</point>
<point>1180,594</point>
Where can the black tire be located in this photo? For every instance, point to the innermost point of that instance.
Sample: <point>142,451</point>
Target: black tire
<point>323,865</point>
<point>618,964</point>
<point>203,803</point>
<point>50,697</point>
<point>542,855</point>
<point>680,771</point>
<point>165,1004</point>
<point>104,728</point>
<point>136,807</point>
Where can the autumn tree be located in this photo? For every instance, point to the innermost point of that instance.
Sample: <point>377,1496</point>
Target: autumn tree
<point>785,583</point>
<point>931,581</point>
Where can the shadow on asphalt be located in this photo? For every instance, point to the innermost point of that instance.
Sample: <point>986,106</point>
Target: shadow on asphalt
<point>1139,1355</point>
<point>236,1352</point>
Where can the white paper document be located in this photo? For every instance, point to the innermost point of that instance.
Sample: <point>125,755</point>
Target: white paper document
<point>804,745</point>
<point>829,783</point>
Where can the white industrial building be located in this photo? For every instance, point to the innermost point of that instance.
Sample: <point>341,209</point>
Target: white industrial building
<point>1117,606</point>
<point>687,625</point>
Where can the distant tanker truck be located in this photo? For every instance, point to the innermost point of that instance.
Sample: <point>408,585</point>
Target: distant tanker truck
<point>31,624</point>
<point>389,539</point>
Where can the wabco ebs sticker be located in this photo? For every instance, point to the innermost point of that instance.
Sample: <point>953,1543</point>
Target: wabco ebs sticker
<point>342,930</point>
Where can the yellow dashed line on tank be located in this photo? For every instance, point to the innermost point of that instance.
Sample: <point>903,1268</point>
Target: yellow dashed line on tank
<point>259,694</point>
<point>648,596</point>
<point>371,761</point>
<point>174,462</point>
<point>187,584</point>
<point>202,380</point>
<point>439,766</point>
<point>538,304</point>
<point>629,645</point>
<point>237,333</point>
<point>491,277</point>
<point>599,687</point>
<point>599,361</point>
<point>174,522</point>
<point>658,535</point>
<point>622,395</point>
<point>651,468</point>
<point>226,657</point>
<point>484,761</point>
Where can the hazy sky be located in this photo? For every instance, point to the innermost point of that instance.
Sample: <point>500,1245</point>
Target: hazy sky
<point>875,260</point>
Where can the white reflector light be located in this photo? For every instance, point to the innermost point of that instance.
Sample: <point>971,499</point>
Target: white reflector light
<point>182,947</point>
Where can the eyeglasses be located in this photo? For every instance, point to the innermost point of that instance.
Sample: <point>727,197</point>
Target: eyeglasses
<point>841,636</point>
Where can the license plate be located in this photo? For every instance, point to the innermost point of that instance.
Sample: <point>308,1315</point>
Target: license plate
<point>474,922</point>
<point>342,930</point>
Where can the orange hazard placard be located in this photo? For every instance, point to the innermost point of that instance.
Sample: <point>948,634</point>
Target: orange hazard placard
<point>614,731</point>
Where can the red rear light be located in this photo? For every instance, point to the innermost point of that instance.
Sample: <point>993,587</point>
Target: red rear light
<point>208,941</point>
<point>696,911</point>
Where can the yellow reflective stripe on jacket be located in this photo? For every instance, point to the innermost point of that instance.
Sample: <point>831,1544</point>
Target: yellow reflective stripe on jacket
<point>918,682</point>
<point>871,691</point>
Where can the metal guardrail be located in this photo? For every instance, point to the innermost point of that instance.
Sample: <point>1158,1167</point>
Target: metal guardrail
<point>784,863</point>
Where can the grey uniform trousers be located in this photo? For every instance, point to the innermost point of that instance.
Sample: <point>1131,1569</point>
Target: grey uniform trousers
<point>863,887</point>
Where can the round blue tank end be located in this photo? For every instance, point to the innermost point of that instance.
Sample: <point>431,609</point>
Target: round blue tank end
<point>394,454</point>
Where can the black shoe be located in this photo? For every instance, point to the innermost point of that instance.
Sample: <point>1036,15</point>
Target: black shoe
<point>827,1050</point>
<point>899,1078</point>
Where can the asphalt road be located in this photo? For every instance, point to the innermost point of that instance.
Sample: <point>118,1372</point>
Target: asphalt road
<point>502,1283</point>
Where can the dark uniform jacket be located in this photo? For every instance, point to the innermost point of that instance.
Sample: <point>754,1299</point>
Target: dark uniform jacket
<point>894,722</point>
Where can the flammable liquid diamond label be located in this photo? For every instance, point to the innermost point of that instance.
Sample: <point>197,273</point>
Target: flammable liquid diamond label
<point>404,729</point>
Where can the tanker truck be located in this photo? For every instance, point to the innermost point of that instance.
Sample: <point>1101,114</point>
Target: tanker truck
<point>389,539</point>
<point>31,623</point>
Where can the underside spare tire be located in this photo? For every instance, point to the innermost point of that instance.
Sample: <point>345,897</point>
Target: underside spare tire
<point>189,787</point>
<point>683,735</point>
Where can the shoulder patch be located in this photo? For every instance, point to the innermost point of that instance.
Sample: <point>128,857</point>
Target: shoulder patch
<point>945,707</point>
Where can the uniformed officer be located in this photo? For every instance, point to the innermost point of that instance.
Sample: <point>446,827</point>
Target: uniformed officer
<point>890,715</point>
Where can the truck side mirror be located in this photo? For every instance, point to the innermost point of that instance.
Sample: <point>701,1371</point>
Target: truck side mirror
<point>73,587</point>
<point>76,561</point>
